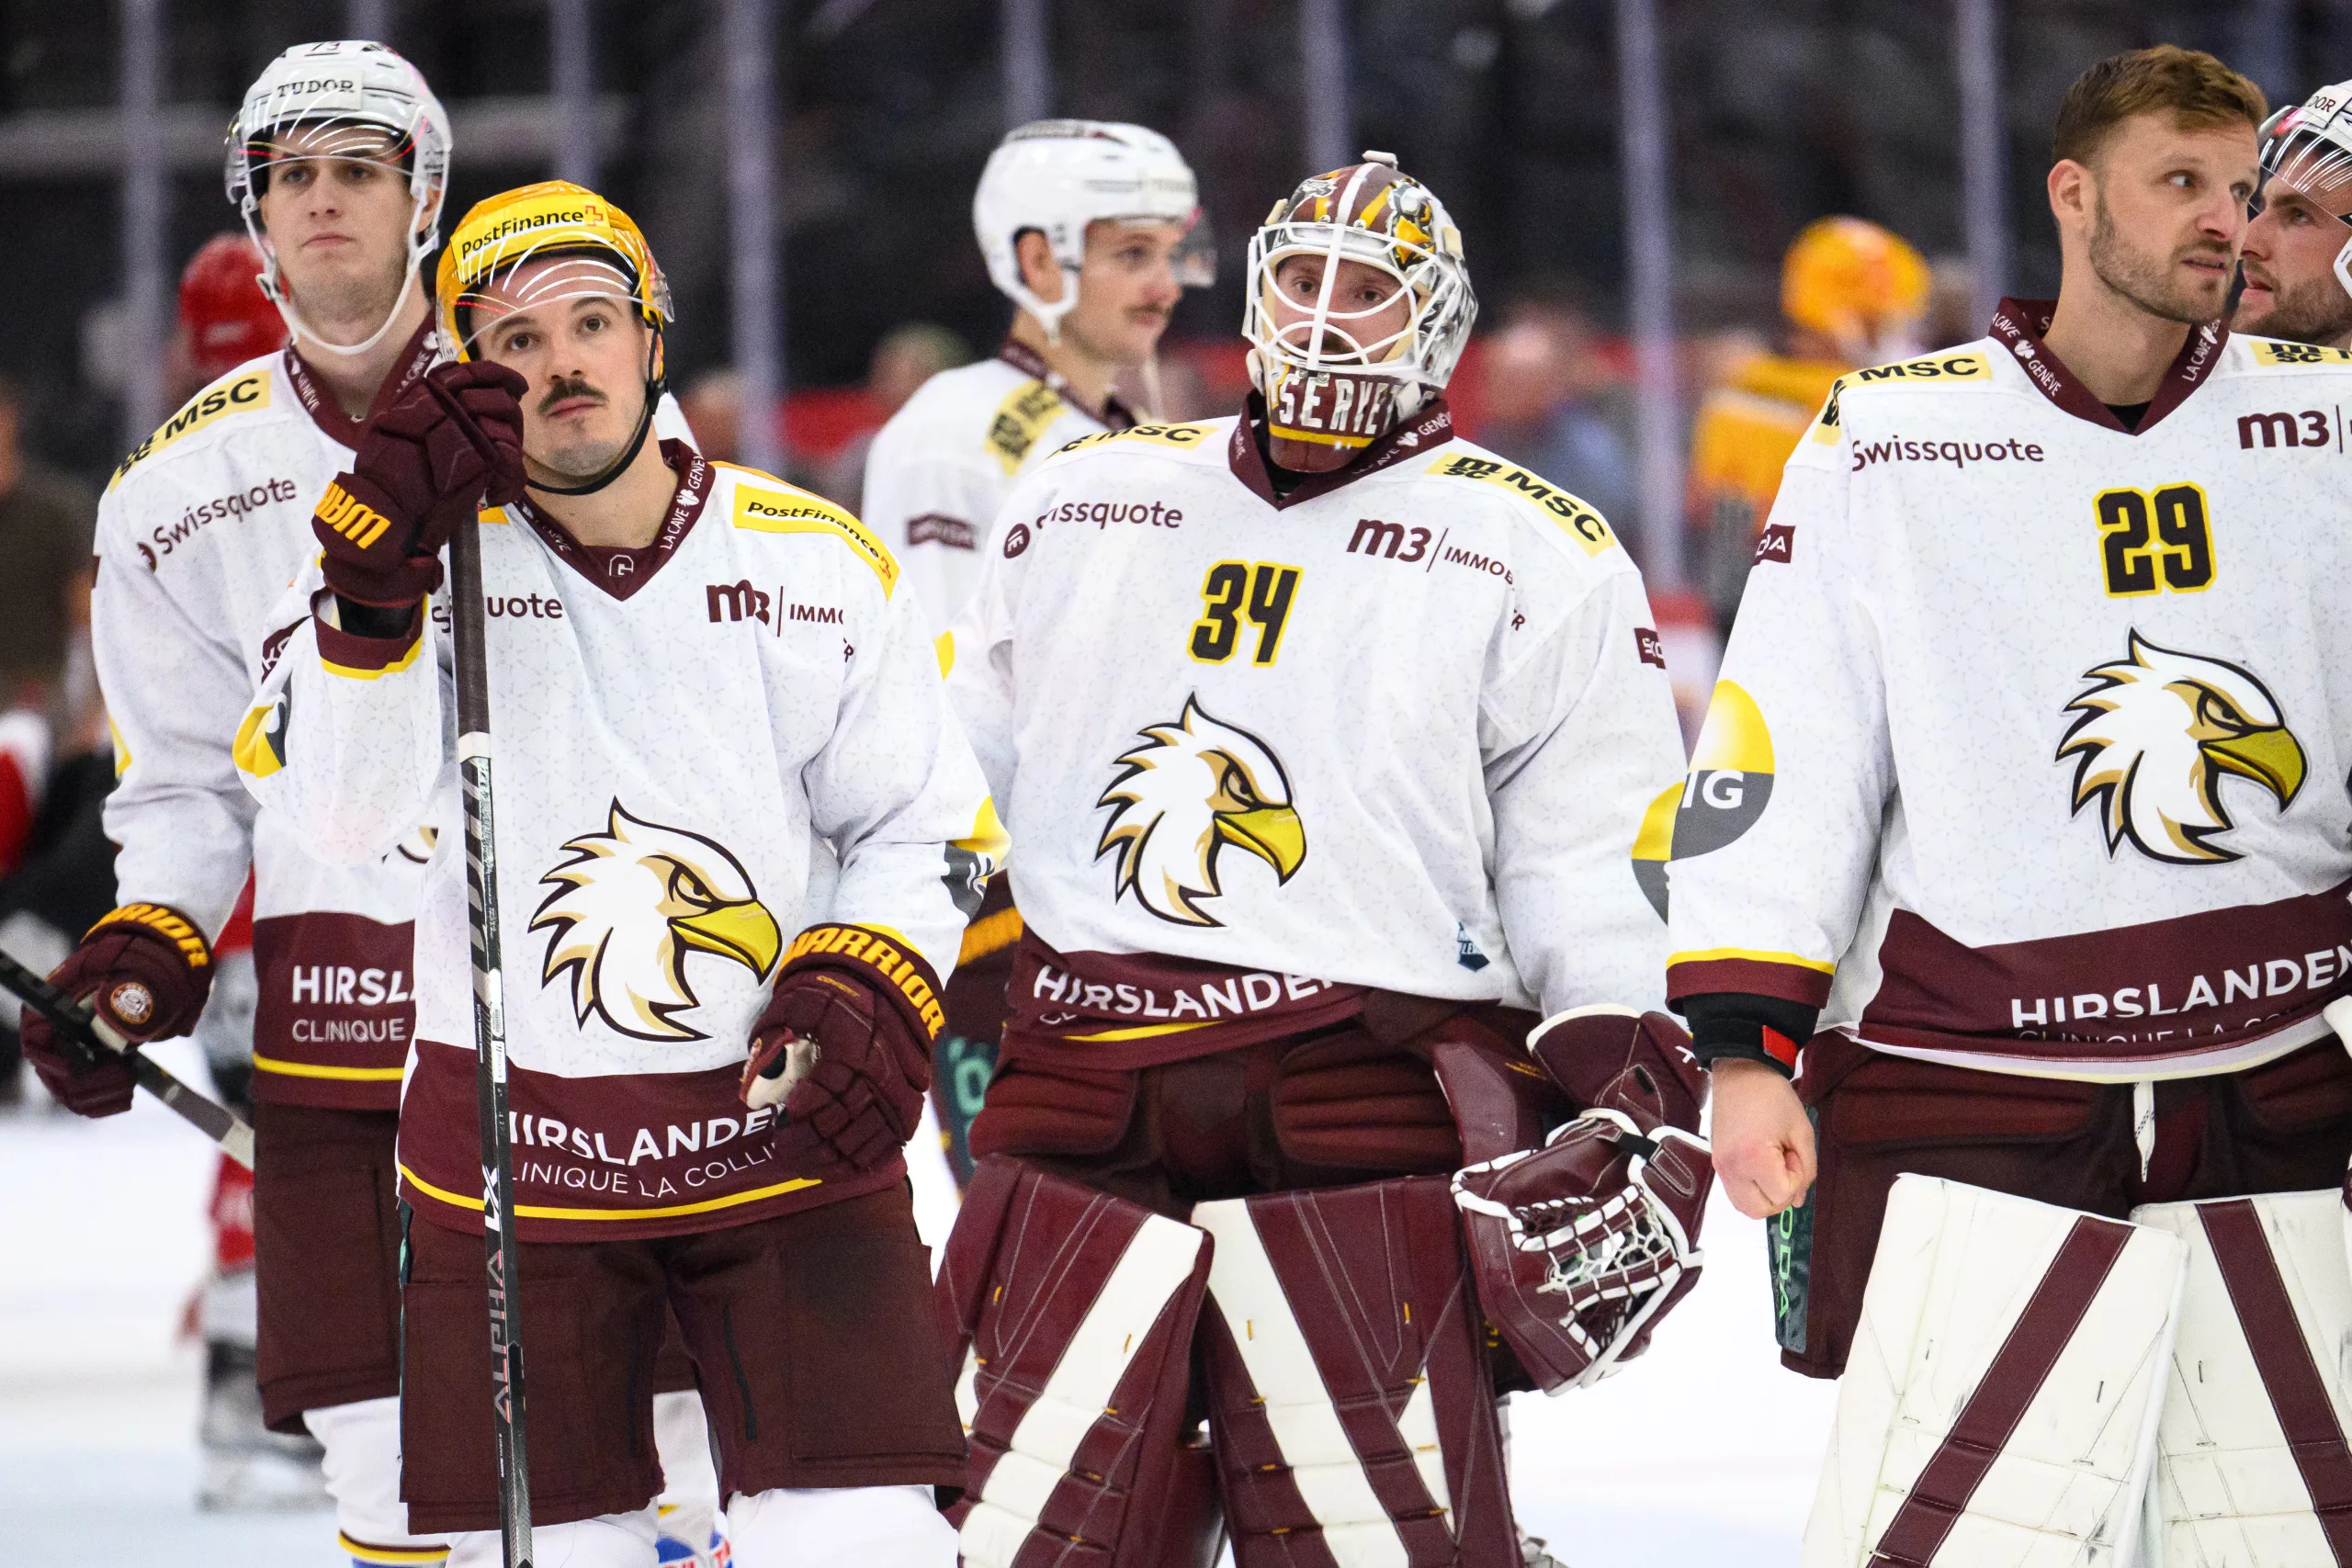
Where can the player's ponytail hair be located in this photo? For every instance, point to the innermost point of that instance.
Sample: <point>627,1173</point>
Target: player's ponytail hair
<point>2199,90</point>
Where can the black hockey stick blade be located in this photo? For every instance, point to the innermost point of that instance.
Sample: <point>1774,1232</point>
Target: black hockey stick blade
<point>215,1120</point>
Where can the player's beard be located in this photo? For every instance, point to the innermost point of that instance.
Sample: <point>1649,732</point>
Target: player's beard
<point>2148,280</point>
<point>2317,311</point>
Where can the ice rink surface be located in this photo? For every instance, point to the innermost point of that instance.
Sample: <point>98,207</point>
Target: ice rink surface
<point>1701,1455</point>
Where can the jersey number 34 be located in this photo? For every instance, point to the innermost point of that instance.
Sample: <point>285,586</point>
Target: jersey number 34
<point>1260,592</point>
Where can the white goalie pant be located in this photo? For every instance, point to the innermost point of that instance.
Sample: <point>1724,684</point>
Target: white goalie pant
<point>362,1469</point>
<point>848,1526</point>
<point>2023,1373</point>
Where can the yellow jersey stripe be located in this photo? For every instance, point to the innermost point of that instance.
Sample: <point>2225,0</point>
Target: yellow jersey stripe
<point>1753,956</point>
<point>534,1211</point>
<point>314,1070</point>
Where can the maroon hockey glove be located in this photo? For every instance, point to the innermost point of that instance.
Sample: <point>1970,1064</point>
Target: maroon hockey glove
<point>1614,1057</point>
<point>145,969</point>
<point>844,1044</point>
<point>446,447</point>
<point>1580,1248</point>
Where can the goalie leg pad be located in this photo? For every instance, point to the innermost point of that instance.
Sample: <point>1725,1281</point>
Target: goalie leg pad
<point>1351,1402</point>
<point>1073,1314</point>
<point>2252,1465</point>
<point>2000,1404</point>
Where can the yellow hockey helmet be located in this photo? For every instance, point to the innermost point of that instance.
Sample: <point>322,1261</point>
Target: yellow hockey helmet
<point>551,219</point>
<point>1853,280</point>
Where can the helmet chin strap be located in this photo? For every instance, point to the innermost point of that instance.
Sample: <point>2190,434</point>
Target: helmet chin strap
<point>272,282</point>
<point>619,466</point>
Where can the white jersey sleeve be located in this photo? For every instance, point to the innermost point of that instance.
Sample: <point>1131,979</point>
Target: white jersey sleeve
<point>1783,903</point>
<point>935,504</point>
<point>173,689</point>
<point>975,655</point>
<point>346,735</point>
<point>939,472</point>
<point>893,783</point>
<point>1576,735</point>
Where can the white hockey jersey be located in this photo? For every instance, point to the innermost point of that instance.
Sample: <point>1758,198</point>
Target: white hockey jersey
<point>2029,752</point>
<point>1397,729</point>
<point>938,472</point>
<point>672,724</point>
<point>200,531</point>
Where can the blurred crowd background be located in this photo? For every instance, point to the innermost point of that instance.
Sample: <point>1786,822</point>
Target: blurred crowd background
<point>1803,178</point>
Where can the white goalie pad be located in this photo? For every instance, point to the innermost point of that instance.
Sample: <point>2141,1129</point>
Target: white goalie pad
<point>2252,1466</point>
<point>2000,1402</point>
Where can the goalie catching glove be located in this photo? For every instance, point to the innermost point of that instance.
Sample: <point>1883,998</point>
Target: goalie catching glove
<point>446,447</point>
<point>144,970</point>
<point>1581,1246</point>
<point>844,1044</point>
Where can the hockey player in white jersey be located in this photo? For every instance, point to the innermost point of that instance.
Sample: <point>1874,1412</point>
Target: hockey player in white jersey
<point>1324,736</point>
<point>2016,832</point>
<point>691,666</point>
<point>2296,265</point>
<point>338,162</point>
<point>1093,231</point>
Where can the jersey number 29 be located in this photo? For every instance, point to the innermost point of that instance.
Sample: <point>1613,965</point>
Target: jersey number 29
<point>2144,536</point>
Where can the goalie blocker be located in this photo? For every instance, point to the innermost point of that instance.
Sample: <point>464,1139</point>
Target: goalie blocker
<point>2034,1383</point>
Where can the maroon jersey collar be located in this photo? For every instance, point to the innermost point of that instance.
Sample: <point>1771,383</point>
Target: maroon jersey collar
<point>1029,362</point>
<point>1425,431</point>
<point>621,572</point>
<point>2019,324</point>
<point>424,349</point>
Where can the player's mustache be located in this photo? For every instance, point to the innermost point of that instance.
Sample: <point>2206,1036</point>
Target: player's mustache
<point>563,387</point>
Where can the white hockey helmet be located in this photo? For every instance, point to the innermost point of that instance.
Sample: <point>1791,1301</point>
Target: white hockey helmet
<point>1374,213</point>
<point>2307,147</point>
<point>393,119</point>
<point>1059,175</point>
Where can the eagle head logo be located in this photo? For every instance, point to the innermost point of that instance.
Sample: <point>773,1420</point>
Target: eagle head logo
<point>1192,788</point>
<point>2157,733</point>
<point>631,903</point>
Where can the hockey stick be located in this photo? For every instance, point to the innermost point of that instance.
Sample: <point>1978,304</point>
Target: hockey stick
<point>96,1040</point>
<point>490,1030</point>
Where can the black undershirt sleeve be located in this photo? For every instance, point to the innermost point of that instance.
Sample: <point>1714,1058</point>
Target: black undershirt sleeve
<point>1752,1028</point>
<point>374,620</point>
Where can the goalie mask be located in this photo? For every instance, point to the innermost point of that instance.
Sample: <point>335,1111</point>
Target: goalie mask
<point>350,100</point>
<point>2307,148</point>
<point>1359,305</point>
<point>592,249</point>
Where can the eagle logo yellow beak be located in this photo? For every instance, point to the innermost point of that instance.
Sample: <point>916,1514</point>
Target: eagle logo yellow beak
<point>630,905</point>
<point>1192,787</point>
<point>2157,732</point>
